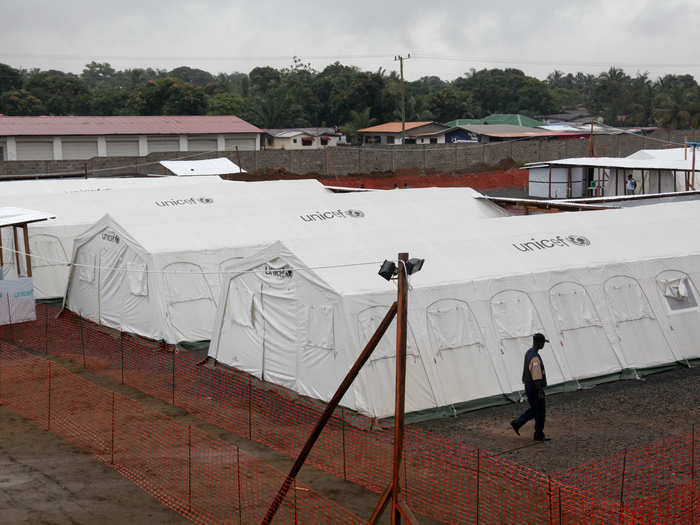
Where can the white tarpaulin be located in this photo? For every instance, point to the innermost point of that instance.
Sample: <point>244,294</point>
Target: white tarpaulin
<point>77,207</point>
<point>608,297</point>
<point>17,301</point>
<point>189,168</point>
<point>159,274</point>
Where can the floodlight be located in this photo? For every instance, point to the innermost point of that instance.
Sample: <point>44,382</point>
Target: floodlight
<point>414,265</point>
<point>388,270</point>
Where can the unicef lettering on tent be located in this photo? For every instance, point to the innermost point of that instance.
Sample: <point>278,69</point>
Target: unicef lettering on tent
<point>559,241</point>
<point>17,301</point>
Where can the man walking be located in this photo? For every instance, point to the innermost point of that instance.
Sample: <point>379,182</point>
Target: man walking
<point>535,380</point>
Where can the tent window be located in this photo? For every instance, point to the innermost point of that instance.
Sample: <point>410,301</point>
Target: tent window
<point>627,300</point>
<point>185,282</point>
<point>86,268</point>
<point>678,293</point>
<point>240,305</point>
<point>46,251</point>
<point>320,328</point>
<point>572,306</point>
<point>369,320</point>
<point>137,278</point>
<point>452,326</point>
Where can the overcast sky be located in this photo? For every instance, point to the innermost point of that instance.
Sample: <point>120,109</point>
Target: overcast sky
<point>445,38</point>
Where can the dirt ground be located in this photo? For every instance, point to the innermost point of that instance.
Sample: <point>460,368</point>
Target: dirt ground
<point>587,424</point>
<point>45,480</point>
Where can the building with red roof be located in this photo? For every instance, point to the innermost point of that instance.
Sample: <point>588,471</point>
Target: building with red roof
<point>74,137</point>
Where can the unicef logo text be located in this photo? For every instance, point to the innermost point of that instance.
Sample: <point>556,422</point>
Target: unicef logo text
<point>567,241</point>
<point>185,202</point>
<point>332,214</point>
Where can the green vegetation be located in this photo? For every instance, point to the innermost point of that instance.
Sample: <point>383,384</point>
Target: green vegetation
<point>345,96</point>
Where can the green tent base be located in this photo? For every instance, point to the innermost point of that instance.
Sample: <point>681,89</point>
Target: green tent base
<point>514,397</point>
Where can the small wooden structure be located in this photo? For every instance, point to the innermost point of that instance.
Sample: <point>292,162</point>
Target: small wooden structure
<point>18,219</point>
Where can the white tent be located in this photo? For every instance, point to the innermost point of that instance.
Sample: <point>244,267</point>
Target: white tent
<point>161,278</point>
<point>95,184</point>
<point>52,243</point>
<point>613,290</point>
<point>189,168</point>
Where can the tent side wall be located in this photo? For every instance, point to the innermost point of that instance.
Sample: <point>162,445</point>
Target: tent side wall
<point>466,341</point>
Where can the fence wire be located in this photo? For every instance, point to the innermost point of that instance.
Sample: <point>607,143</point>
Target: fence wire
<point>448,481</point>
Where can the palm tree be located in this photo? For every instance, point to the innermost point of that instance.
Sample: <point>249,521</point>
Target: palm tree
<point>358,120</point>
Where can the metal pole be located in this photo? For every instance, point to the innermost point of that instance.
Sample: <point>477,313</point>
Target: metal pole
<point>82,342</point>
<point>478,482</point>
<point>342,438</point>
<point>403,105</point>
<point>328,412</point>
<point>549,493</point>
<point>238,484</point>
<point>692,475</point>
<point>121,350</point>
<point>399,399</point>
<point>692,180</point>
<point>172,366</point>
<point>250,408</point>
<point>622,483</point>
<point>48,420</point>
<point>112,438</point>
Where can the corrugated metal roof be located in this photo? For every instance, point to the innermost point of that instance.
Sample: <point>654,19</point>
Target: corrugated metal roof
<point>513,119</point>
<point>136,125</point>
<point>619,162</point>
<point>394,127</point>
<point>293,132</point>
<point>509,131</point>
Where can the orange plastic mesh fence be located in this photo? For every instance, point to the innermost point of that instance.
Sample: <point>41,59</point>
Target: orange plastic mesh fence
<point>197,475</point>
<point>448,481</point>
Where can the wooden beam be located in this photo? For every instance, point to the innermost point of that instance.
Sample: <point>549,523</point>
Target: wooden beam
<point>27,256</point>
<point>400,397</point>
<point>2,255</point>
<point>550,181</point>
<point>14,238</point>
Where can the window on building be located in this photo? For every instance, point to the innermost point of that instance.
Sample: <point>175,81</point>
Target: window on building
<point>294,140</point>
<point>307,141</point>
<point>324,141</point>
<point>390,140</point>
<point>433,140</point>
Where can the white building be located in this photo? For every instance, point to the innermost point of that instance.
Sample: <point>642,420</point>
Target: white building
<point>302,138</point>
<point>70,138</point>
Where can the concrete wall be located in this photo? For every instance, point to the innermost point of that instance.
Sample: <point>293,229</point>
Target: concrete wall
<point>344,160</point>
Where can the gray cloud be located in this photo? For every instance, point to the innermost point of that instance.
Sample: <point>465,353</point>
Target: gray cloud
<point>447,37</point>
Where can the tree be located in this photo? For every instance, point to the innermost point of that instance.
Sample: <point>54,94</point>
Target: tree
<point>449,104</point>
<point>168,96</point>
<point>10,78</point>
<point>20,102</point>
<point>196,77</point>
<point>97,74</point>
<point>62,93</point>
<point>264,79</point>
<point>359,120</point>
<point>226,104</point>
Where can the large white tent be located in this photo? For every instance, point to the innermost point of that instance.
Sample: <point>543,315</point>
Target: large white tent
<point>613,290</point>
<point>161,277</point>
<point>78,208</point>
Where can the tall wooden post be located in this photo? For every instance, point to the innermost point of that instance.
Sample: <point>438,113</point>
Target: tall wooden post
<point>398,508</point>
<point>27,258</point>
<point>399,401</point>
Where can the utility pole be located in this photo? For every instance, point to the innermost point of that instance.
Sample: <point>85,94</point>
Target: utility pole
<point>403,97</point>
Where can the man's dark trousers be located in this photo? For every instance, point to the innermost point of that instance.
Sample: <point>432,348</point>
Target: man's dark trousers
<point>536,411</point>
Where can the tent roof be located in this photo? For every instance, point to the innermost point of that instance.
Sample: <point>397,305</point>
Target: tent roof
<point>220,166</point>
<point>619,162</point>
<point>463,255</point>
<point>67,186</point>
<point>662,154</point>
<point>212,200</point>
<point>256,218</point>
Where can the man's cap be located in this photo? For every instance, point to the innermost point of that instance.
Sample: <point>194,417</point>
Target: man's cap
<point>539,338</point>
